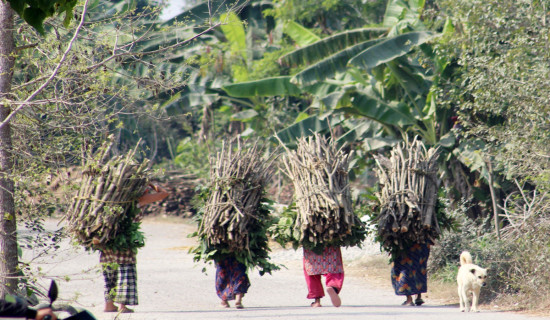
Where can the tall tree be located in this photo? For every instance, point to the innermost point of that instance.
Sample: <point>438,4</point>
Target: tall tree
<point>8,226</point>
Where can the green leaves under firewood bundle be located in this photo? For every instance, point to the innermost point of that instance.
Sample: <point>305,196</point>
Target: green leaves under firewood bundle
<point>324,214</point>
<point>105,206</point>
<point>408,196</point>
<point>234,216</point>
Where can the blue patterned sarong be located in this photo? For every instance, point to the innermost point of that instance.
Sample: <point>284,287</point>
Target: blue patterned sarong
<point>231,278</point>
<point>409,272</point>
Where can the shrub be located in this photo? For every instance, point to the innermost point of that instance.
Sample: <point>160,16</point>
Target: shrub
<point>519,263</point>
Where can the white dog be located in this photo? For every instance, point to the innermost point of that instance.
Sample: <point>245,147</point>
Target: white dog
<point>470,278</point>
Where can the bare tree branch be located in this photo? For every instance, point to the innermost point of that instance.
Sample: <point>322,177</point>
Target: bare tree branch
<point>55,71</point>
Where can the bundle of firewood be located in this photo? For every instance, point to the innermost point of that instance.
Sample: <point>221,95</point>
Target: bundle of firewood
<point>110,189</point>
<point>408,196</point>
<point>318,170</point>
<point>233,209</point>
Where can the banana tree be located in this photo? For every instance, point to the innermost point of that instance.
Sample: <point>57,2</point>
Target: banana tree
<point>335,78</point>
<point>384,76</point>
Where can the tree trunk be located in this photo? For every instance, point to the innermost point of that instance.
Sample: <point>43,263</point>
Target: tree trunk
<point>457,179</point>
<point>8,225</point>
<point>204,131</point>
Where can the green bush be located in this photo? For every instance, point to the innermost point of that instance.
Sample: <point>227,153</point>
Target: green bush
<point>518,263</point>
<point>193,157</point>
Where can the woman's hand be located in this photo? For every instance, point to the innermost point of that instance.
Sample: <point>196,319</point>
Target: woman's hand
<point>153,197</point>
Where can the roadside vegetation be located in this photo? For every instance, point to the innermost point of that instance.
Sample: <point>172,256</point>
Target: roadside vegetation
<point>469,77</point>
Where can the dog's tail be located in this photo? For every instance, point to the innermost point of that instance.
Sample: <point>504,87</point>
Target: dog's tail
<point>465,258</point>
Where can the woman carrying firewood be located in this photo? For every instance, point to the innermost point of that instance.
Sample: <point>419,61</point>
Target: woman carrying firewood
<point>232,282</point>
<point>233,217</point>
<point>410,214</point>
<point>409,273</point>
<point>105,215</point>
<point>119,267</point>
<point>329,264</point>
<point>321,218</point>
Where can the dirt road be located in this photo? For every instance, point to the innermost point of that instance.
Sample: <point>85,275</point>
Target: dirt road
<point>172,286</point>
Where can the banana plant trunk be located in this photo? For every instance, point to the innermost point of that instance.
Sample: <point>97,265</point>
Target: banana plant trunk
<point>8,225</point>
<point>458,179</point>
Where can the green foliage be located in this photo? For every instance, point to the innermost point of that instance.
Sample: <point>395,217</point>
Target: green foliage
<point>284,231</point>
<point>233,30</point>
<point>257,256</point>
<point>35,12</point>
<point>401,15</point>
<point>129,236</point>
<point>279,86</point>
<point>191,156</point>
<point>329,15</point>
<point>300,35</point>
<point>268,65</point>
<point>501,85</point>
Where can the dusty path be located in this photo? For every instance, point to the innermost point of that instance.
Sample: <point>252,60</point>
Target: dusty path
<point>172,286</point>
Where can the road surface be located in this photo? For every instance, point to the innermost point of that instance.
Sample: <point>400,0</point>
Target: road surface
<point>172,286</point>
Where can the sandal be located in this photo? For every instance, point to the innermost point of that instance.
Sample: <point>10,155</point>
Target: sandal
<point>407,303</point>
<point>239,305</point>
<point>419,302</point>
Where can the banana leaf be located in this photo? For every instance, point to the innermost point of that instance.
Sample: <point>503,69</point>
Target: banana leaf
<point>330,45</point>
<point>300,34</point>
<point>367,106</point>
<point>277,86</point>
<point>390,49</point>
<point>332,65</point>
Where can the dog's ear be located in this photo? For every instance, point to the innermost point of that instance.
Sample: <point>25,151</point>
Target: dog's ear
<point>473,271</point>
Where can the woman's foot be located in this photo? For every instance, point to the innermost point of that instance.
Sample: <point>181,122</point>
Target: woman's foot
<point>334,297</point>
<point>419,300</point>
<point>110,306</point>
<point>125,309</point>
<point>316,303</point>
<point>408,302</point>
<point>224,304</point>
<point>238,301</point>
